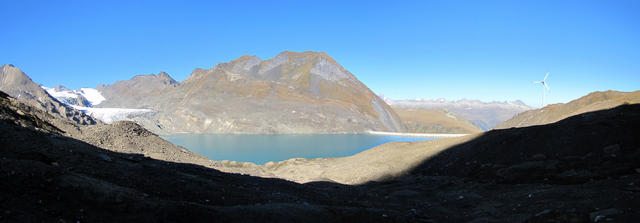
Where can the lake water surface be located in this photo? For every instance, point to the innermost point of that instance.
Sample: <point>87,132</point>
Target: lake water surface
<point>260,149</point>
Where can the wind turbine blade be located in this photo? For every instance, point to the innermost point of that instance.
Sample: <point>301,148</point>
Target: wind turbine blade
<point>536,82</point>
<point>545,76</point>
<point>546,86</point>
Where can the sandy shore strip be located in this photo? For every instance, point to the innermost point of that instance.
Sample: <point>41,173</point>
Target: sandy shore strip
<point>435,135</point>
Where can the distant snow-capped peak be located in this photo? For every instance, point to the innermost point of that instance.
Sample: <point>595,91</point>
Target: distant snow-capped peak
<point>81,97</point>
<point>423,102</point>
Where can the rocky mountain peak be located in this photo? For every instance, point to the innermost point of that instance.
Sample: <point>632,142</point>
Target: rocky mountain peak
<point>519,102</point>
<point>296,65</point>
<point>161,78</point>
<point>13,74</point>
<point>163,74</point>
<point>247,58</point>
<point>20,86</point>
<point>166,78</point>
<point>243,65</point>
<point>16,83</point>
<point>7,65</point>
<point>299,68</point>
<point>132,92</point>
<point>301,58</point>
<point>61,88</point>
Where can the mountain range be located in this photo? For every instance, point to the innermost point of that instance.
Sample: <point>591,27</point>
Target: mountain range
<point>294,92</point>
<point>484,115</point>
<point>420,120</point>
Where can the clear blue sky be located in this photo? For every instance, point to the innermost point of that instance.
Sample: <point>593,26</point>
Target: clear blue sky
<point>488,50</point>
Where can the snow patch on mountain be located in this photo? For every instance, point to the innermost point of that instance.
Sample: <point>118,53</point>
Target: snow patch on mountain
<point>92,95</point>
<point>60,94</point>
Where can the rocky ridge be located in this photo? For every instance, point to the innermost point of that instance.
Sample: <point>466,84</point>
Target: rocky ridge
<point>556,112</point>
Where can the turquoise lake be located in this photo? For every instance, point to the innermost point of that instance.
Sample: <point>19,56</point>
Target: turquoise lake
<point>260,149</point>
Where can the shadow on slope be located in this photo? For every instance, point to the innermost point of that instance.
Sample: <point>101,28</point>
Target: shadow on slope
<point>581,169</point>
<point>562,171</point>
<point>52,178</point>
<point>585,147</point>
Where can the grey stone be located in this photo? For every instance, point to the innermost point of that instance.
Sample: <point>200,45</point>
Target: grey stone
<point>597,216</point>
<point>545,211</point>
<point>105,157</point>
<point>611,149</point>
<point>539,157</point>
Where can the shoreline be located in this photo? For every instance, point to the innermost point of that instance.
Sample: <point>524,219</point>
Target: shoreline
<point>433,135</point>
<point>406,134</point>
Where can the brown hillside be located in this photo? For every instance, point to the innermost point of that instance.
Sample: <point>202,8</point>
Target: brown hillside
<point>293,92</point>
<point>552,113</point>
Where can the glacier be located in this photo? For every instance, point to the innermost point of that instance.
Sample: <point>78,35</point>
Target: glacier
<point>94,97</point>
<point>110,115</point>
<point>60,94</point>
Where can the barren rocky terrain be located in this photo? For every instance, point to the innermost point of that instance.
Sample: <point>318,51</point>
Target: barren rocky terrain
<point>56,165</point>
<point>581,169</point>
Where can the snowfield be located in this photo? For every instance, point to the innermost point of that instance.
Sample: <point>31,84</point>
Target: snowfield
<point>60,94</point>
<point>92,95</point>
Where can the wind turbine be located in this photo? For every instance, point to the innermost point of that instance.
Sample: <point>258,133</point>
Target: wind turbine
<point>544,86</point>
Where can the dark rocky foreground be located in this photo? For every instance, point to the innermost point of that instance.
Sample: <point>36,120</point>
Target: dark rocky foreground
<point>581,169</point>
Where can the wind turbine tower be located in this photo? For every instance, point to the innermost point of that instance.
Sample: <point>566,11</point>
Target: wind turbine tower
<point>544,86</point>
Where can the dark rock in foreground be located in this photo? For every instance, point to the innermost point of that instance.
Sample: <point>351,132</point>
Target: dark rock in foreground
<point>577,170</point>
